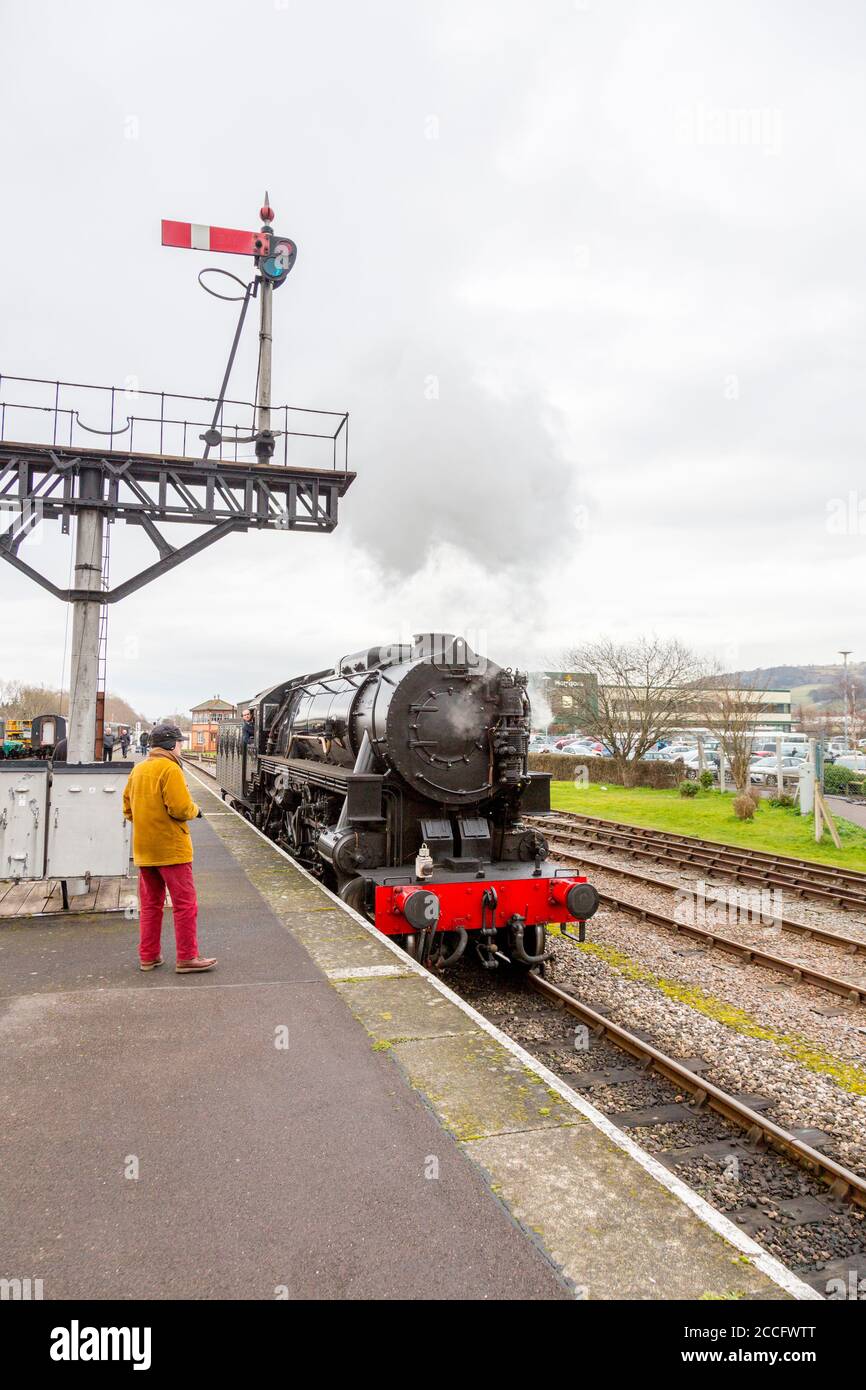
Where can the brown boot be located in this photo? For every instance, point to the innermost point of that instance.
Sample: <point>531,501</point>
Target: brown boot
<point>150,964</point>
<point>198,963</point>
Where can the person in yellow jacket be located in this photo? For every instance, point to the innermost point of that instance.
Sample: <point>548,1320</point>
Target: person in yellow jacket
<point>157,801</point>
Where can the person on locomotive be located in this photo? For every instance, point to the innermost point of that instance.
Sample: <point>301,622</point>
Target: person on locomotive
<point>157,801</point>
<point>248,728</point>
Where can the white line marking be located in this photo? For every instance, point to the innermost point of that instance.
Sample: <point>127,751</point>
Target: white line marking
<point>773,1268</point>
<point>200,237</point>
<point>366,972</point>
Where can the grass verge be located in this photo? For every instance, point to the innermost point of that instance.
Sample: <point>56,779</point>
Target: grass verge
<point>710,816</point>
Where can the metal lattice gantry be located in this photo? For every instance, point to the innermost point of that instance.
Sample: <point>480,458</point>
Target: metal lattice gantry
<point>149,469</point>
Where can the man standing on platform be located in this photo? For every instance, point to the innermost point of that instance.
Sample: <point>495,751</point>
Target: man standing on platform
<point>157,801</point>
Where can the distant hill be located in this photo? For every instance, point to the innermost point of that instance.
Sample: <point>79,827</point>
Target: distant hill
<point>819,685</point>
<point>788,677</point>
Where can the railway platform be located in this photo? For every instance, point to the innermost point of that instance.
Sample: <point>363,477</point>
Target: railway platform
<point>318,1118</point>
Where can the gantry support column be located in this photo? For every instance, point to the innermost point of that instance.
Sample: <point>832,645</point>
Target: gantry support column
<point>83,680</point>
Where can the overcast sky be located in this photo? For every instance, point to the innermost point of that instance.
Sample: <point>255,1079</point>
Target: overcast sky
<point>589,278</point>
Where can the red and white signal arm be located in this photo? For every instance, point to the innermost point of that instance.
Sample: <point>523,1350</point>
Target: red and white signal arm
<point>197,236</point>
<point>275,254</point>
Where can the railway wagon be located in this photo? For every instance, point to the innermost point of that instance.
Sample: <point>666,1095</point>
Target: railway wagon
<point>32,738</point>
<point>399,776</point>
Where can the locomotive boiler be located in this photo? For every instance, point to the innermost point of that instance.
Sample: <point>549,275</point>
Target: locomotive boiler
<point>399,777</point>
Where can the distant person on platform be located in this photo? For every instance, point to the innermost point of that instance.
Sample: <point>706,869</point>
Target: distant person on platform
<point>248,728</point>
<point>107,747</point>
<point>143,740</point>
<point>157,801</point>
<point>124,742</point>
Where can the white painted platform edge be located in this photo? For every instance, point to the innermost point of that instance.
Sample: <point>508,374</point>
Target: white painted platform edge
<point>762,1260</point>
<point>366,972</point>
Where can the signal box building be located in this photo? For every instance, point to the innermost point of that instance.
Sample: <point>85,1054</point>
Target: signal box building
<point>206,720</point>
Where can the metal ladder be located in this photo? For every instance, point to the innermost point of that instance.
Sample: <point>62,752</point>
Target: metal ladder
<point>102,660</point>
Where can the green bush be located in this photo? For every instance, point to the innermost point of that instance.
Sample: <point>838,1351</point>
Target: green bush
<point>842,779</point>
<point>688,788</point>
<point>563,767</point>
<point>706,780</point>
<point>783,802</point>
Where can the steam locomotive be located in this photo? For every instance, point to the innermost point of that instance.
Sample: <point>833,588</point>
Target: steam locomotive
<point>399,777</point>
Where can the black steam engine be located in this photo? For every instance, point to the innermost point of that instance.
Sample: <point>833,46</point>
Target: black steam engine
<point>399,778</point>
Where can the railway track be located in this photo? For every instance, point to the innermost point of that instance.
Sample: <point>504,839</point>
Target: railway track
<point>751,954</point>
<point>851,945</point>
<point>845,888</point>
<point>773,1182</point>
<point>843,1183</point>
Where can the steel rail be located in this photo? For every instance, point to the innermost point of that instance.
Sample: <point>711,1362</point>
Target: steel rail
<point>842,1181</point>
<point>753,955</point>
<point>703,855</point>
<point>782,862</point>
<point>849,944</point>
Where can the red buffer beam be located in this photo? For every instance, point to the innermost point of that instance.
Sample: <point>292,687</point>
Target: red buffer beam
<point>197,236</point>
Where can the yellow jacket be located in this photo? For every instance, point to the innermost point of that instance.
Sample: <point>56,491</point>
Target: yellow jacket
<point>157,801</point>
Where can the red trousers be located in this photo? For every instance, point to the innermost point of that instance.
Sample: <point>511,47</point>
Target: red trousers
<point>152,883</point>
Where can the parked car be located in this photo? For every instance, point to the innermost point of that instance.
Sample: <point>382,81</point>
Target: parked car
<point>677,750</point>
<point>582,750</point>
<point>855,762</point>
<point>765,770</point>
<point>692,763</point>
<point>540,743</point>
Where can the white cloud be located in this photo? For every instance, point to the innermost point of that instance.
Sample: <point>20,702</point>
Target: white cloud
<point>645,329</point>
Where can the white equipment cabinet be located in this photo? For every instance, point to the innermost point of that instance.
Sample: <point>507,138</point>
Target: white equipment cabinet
<point>87,834</point>
<point>23,814</point>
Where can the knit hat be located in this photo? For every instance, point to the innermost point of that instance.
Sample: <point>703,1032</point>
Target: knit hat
<point>165,736</point>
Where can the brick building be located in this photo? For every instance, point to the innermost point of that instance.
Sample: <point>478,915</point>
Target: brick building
<point>206,720</point>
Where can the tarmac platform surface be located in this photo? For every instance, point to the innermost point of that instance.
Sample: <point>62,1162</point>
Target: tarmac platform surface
<point>318,1118</point>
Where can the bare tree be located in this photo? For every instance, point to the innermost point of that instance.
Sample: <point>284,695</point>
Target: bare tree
<point>733,713</point>
<point>20,701</point>
<point>645,690</point>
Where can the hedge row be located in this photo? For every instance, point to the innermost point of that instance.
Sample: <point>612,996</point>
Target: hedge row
<point>843,780</point>
<point>563,768</point>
